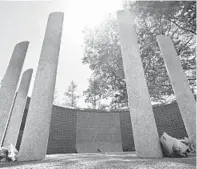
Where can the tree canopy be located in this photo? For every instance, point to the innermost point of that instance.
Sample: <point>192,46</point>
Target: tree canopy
<point>176,19</point>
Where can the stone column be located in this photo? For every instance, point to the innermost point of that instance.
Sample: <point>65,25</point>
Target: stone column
<point>184,96</point>
<point>142,118</point>
<point>16,115</point>
<point>10,82</point>
<point>36,131</point>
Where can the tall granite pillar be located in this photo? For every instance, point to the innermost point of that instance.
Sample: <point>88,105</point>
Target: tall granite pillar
<point>9,84</point>
<point>36,131</point>
<point>184,96</point>
<point>142,118</point>
<point>16,115</point>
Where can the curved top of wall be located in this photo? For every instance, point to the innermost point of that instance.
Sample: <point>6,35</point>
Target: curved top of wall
<point>161,106</point>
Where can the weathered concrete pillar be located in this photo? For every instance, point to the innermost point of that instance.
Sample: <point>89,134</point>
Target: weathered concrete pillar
<point>184,96</point>
<point>16,115</point>
<point>143,122</point>
<point>36,131</point>
<point>9,84</point>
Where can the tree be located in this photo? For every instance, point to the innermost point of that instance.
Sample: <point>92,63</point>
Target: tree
<point>71,95</point>
<point>170,18</point>
<point>92,94</point>
<point>103,55</point>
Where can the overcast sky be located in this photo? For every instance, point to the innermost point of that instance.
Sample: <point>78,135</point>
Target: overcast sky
<point>27,21</point>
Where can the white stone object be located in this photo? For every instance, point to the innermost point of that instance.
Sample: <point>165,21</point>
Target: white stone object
<point>36,131</point>
<point>9,84</point>
<point>14,124</point>
<point>143,122</point>
<point>184,96</point>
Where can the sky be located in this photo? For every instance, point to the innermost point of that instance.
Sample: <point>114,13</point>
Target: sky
<point>26,20</point>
